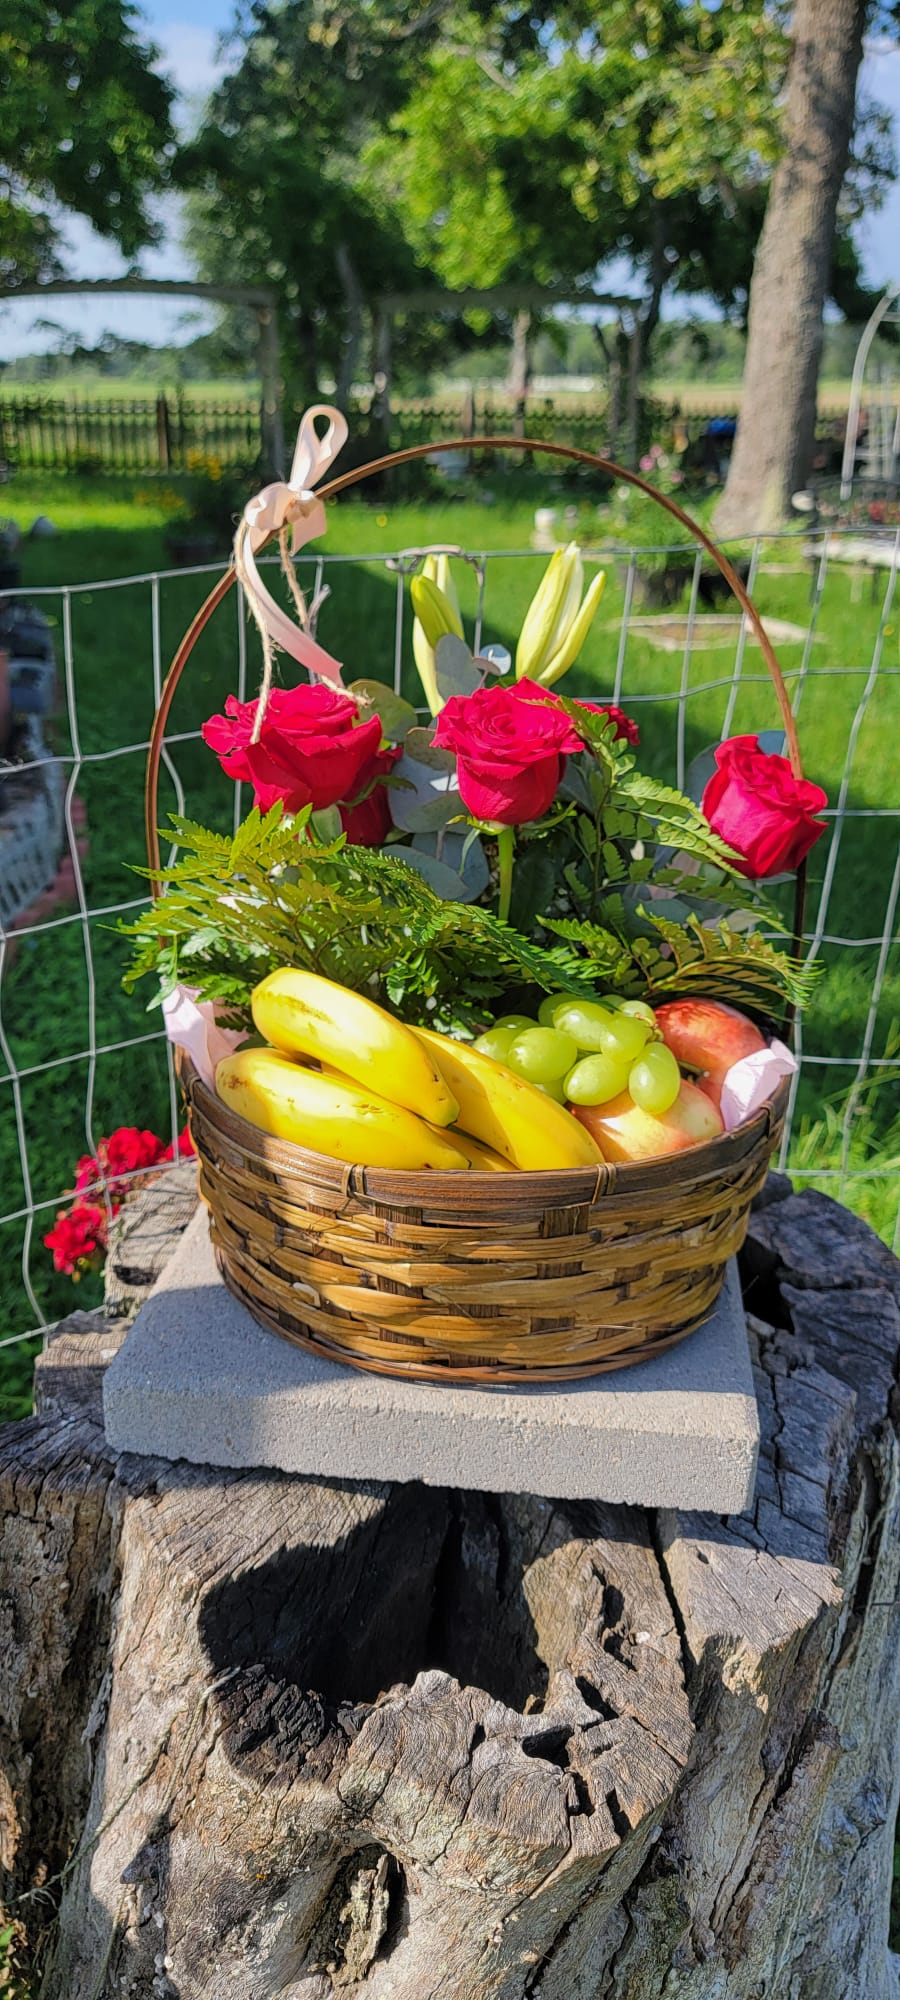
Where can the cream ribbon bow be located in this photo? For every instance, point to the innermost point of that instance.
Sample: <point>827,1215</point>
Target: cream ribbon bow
<point>293,505</point>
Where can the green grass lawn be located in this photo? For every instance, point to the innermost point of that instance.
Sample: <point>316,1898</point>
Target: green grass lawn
<point>107,531</point>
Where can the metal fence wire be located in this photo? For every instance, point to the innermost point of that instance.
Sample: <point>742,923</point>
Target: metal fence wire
<point>78,1057</point>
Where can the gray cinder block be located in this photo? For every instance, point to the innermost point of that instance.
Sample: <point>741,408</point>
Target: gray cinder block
<point>197,1378</point>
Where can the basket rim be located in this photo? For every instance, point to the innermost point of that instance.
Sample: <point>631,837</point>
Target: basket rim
<point>437,1187</point>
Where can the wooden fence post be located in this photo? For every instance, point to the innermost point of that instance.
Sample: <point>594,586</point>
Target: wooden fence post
<point>163,442</point>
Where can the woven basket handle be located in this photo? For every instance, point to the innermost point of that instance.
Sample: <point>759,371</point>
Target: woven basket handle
<point>416,451</point>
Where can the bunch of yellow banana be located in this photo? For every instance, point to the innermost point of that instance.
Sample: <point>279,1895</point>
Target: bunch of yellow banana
<point>384,1095</point>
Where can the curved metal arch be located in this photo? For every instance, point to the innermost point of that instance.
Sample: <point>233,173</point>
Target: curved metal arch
<point>877,319</point>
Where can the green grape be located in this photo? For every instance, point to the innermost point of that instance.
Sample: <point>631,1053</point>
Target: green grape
<point>554,1089</point>
<point>549,1006</point>
<point>623,1038</point>
<point>518,1022</point>
<point>542,1055</point>
<point>654,1081</point>
<point>596,1079</point>
<point>496,1042</point>
<point>640,1010</point>
<point>585,1021</point>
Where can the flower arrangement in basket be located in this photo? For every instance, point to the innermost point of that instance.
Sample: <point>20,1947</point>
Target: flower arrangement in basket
<point>476,1019</point>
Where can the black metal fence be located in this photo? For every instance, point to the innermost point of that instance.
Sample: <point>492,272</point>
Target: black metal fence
<point>167,433</point>
<point>41,433</point>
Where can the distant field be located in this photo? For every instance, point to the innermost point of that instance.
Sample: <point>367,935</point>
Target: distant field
<point>706,398</point>
<point>129,388</point>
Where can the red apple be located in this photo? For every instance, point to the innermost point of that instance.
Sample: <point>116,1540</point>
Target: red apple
<point>623,1132</point>
<point>706,1035</point>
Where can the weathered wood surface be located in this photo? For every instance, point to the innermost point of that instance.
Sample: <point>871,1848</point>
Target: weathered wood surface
<point>265,1738</point>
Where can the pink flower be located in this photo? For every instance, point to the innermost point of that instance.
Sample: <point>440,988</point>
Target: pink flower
<point>755,804</point>
<point>509,744</point>
<point>312,747</point>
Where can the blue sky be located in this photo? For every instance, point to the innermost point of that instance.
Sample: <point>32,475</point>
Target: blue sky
<point>187,36</point>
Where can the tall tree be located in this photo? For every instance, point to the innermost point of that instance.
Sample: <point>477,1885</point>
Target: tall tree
<point>86,128</point>
<point>545,143</point>
<point>277,189</point>
<point>774,445</point>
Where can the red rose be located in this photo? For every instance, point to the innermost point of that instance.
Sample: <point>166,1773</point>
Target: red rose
<point>626,730</point>
<point>369,823</point>
<point>755,804</point>
<point>76,1237</point>
<point>509,746</point>
<point>311,751</point>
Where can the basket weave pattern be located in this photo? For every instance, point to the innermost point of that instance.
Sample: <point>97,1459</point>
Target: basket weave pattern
<point>476,1277</point>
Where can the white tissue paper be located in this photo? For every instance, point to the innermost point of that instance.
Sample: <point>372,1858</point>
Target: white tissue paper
<point>191,1025</point>
<point>748,1084</point>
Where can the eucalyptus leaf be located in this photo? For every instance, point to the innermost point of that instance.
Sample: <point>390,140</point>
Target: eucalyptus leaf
<point>397,717</point>
<point>443,880</point>
<point>463,852</point>
<point>495,659</point>
<point>455,669</point>
<point>427,797</point>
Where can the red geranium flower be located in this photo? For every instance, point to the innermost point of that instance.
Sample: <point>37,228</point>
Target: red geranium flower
<point>755,804</point>
<point>183,1151</point>
<point>78,1236</point>
<point>312,747</point>
<point>369,823</point>
<point>509,744</point>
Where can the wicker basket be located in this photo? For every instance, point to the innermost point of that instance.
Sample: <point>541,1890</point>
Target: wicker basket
<point>476,1277</point>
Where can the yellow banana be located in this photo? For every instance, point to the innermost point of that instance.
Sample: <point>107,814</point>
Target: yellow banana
<point>503,1111</point>
<point>482,1158</point>
<point>306,1015</point>
<point>330,1115</point>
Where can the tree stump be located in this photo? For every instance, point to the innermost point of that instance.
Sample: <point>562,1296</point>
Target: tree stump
<point>272,1738</point>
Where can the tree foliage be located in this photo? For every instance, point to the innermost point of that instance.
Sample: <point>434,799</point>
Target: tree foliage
<point>86,127</point>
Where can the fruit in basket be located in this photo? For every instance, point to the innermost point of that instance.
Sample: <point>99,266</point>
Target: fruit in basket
<point>505,1112</point>
<point>707,1036</point>
<point>654,1080</point>
<point>482,1159</point>
<point>595,1080</point>
<point>496,1042</point>
<point>305,1015</point>
<point>541,1055</point>
<point>330,1114</point>
<point>603,1030</point>
<point>624,1132</point>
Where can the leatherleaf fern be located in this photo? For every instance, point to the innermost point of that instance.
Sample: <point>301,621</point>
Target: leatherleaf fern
<point>235,908</point>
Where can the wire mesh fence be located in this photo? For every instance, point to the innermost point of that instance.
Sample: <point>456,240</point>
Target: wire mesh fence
<point>78,1056</point>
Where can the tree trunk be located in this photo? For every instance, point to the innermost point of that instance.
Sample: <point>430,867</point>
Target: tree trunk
<point>275,1738</point>
<point>351,340</point>
<point>774,444</point>
<point>519,373</point>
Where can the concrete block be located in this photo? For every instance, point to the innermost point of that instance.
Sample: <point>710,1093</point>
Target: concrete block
<point>198,1378</point>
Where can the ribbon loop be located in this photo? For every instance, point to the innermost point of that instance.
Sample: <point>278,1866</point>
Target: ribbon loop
<point>290,503</point>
